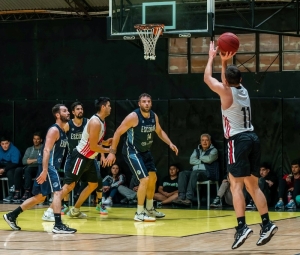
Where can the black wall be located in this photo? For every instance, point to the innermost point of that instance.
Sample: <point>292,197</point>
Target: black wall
<point>48,62</point>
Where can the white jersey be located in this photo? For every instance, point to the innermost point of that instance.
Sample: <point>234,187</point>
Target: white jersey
<point>237,118</point>
<point>83,146</point>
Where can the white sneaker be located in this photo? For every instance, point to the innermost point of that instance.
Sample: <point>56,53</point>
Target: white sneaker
<point>79,214</point>
<point>48,216</point>
<point>143,217</point>
<point>107,202</point>
<point>153,213</point>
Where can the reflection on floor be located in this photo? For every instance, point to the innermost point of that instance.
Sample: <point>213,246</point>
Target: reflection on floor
<point>177,223</point>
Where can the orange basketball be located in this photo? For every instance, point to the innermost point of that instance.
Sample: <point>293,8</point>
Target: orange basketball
<point>228,42</point>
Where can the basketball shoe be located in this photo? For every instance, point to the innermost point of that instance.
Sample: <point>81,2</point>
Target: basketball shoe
<point>102,209</point>
<point>217,202</point>
<point>266,233</point>
<point>65,210</point>
<point>76,214</point>
<point>279,205</point>
<point>240,236</point>
<point>143,217</point>
<point>153,213</point>
<point>63,229</point>
<point>48,216</point>
<point>11,221</point>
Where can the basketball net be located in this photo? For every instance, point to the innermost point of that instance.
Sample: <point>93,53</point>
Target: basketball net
<point>149,34</point>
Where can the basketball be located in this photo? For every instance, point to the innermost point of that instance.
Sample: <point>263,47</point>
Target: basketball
<point>228,42</point>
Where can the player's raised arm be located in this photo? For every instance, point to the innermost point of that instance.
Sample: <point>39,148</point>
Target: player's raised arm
<point>163,136</point>
<point>130,121</point>
<point>213,83</point>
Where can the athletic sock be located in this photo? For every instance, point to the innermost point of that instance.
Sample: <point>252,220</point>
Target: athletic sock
<point>140,209</point>
<point>241,222</point>
<point>57,217</point>
<point>15,213</point>
<point>149,204</point>
<point>265,219</point>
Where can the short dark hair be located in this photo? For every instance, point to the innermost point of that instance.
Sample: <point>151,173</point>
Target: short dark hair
<point>73,106</point>
<point>4,138</point>
<point>265,165</point>
<point>233,75</point>
<point>37,133</point>
<point>101,101</point>
<point>175,165</point>
<point>144,95</point>
<point>295,162</point>
<point>56,109</point>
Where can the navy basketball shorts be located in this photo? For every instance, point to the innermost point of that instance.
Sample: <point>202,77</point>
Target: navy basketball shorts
<point>51,184</point>
<point>243,154</point>
<point>140,163</point>
<point>80,168</point>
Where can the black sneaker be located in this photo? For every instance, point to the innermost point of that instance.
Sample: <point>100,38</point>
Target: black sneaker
<point>8,199</point>
<point>216,203</point>
<point>251,205</point>
<point>11,221</point>
<point>63,229</point>
<point>17,197</point>
<point>266,233</point>
<point>241,235</point>
<point>25,196</point>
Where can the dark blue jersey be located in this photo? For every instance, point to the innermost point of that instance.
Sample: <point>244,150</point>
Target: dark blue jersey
<point>140,138</point>
<point>74,134</point>
<point>58,150</point>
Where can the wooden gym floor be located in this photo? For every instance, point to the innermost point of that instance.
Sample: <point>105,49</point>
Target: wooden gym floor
<point>182,231</point>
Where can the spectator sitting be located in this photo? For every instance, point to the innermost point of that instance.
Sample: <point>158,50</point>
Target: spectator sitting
<point>111,183</point>
<point>225,191</point>
<point>131,192</point>
<point>30,170</point>
<point>267,183</point>
<point>9,160</point>
<point>289,183</point>
<point>204,158</point>
<point>168,186</point>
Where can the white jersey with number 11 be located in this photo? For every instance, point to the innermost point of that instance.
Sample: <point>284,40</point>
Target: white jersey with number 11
<point>237,118</point>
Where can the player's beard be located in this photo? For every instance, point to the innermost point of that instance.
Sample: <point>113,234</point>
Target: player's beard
<point>64,119</point>
<point>79,116</point>
<point>145,110</point>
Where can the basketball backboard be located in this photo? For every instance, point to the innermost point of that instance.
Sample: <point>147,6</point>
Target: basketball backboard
<point>184,18</point>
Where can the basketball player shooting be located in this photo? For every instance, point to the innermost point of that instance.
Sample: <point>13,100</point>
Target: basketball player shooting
<point>140,126</point>
<point>243,147</point>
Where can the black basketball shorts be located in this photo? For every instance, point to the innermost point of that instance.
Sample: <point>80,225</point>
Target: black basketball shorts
<point>243,154</point>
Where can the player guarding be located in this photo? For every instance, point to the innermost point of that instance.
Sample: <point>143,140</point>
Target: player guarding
<point>243,147</point>
<point>140,126</point>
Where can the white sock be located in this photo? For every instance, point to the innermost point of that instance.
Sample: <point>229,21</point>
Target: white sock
<point>140,209</point>
<point>149,204</point>
<point>76,209</point>
<point>103,199</point>
<point>50,210</point>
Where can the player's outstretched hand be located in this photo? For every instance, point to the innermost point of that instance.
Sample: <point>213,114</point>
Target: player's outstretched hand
<point>174,148</point>
<point>110,159</point>
<point>42,177</point>
<point>212,51</point>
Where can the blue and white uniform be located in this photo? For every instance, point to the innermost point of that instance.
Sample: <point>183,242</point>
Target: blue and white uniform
<point>136,149</point>
<point>52,182</point>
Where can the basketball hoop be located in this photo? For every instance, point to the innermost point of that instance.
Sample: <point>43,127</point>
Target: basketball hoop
<point>149,34</point>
